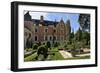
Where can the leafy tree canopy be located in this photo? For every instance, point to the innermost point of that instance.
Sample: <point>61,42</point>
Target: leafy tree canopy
<point>84,21</point>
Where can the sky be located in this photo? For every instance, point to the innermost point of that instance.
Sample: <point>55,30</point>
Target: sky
<point>52,16</point>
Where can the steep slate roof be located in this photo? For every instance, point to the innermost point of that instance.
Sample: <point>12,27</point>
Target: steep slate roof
<point>27,17</point>
<point>46,22</point>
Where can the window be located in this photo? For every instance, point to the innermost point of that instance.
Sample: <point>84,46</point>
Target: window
<point>35,29</point>
<point>29,35</point>
<point>50,38</point>
<point>46,30</point>
<point>46,38</point>
<point>35,38</point>
<point>54,30</point>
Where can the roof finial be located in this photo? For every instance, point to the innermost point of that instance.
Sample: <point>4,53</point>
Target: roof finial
<point>62,20</point>
<point>27,12</point>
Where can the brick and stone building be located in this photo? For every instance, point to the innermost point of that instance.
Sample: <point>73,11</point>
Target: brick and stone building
<point>41,30</point>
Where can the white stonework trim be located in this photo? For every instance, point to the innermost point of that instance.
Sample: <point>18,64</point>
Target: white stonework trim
<point>45,38</point>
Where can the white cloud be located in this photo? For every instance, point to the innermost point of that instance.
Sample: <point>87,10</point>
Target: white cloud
<point>36,15</point>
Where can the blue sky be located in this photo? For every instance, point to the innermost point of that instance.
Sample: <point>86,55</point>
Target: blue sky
<point>52,16</point>
<point>66,16</point>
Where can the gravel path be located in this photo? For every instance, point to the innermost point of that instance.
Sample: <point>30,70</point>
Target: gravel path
<point>65,54</point>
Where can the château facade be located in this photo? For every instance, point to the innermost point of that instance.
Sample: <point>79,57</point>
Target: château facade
<point>40,30</point>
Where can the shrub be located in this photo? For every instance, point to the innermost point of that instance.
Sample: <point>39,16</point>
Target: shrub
<point>65,46</point>
<point>42,50</point>
<point>35,46</point>
<point>43,43</point>
<point>48,44</point>
<point>87,46</point>
<point>39,43</point>
<point>56,44</point>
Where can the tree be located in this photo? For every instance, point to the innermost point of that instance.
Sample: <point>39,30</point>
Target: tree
<point>68,27</point>
<point>84,21</point>
<point>71,36</point>
<point>78,35</point>
<point>86,37</point>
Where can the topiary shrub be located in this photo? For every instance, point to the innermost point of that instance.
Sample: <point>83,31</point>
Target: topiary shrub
<point>43,43</point>
<point>48,44</point>
<point>56,44</point>
<point>39,43</point>
<point>42,50</point>
<point>65,46</point>
<point>35,46</point>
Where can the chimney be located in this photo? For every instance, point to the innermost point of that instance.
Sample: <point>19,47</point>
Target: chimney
<point>41,19</point>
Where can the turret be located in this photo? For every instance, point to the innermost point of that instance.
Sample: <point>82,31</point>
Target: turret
<point>27,17</point>
<point>68,25</point>
<point>61,21</point>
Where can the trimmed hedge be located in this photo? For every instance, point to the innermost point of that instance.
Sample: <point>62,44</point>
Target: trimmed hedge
<point>35,46</point>
<point>26,55</point>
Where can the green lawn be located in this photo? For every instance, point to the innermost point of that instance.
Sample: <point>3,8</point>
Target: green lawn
<point>30,58</point>
<point>57,56</point>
